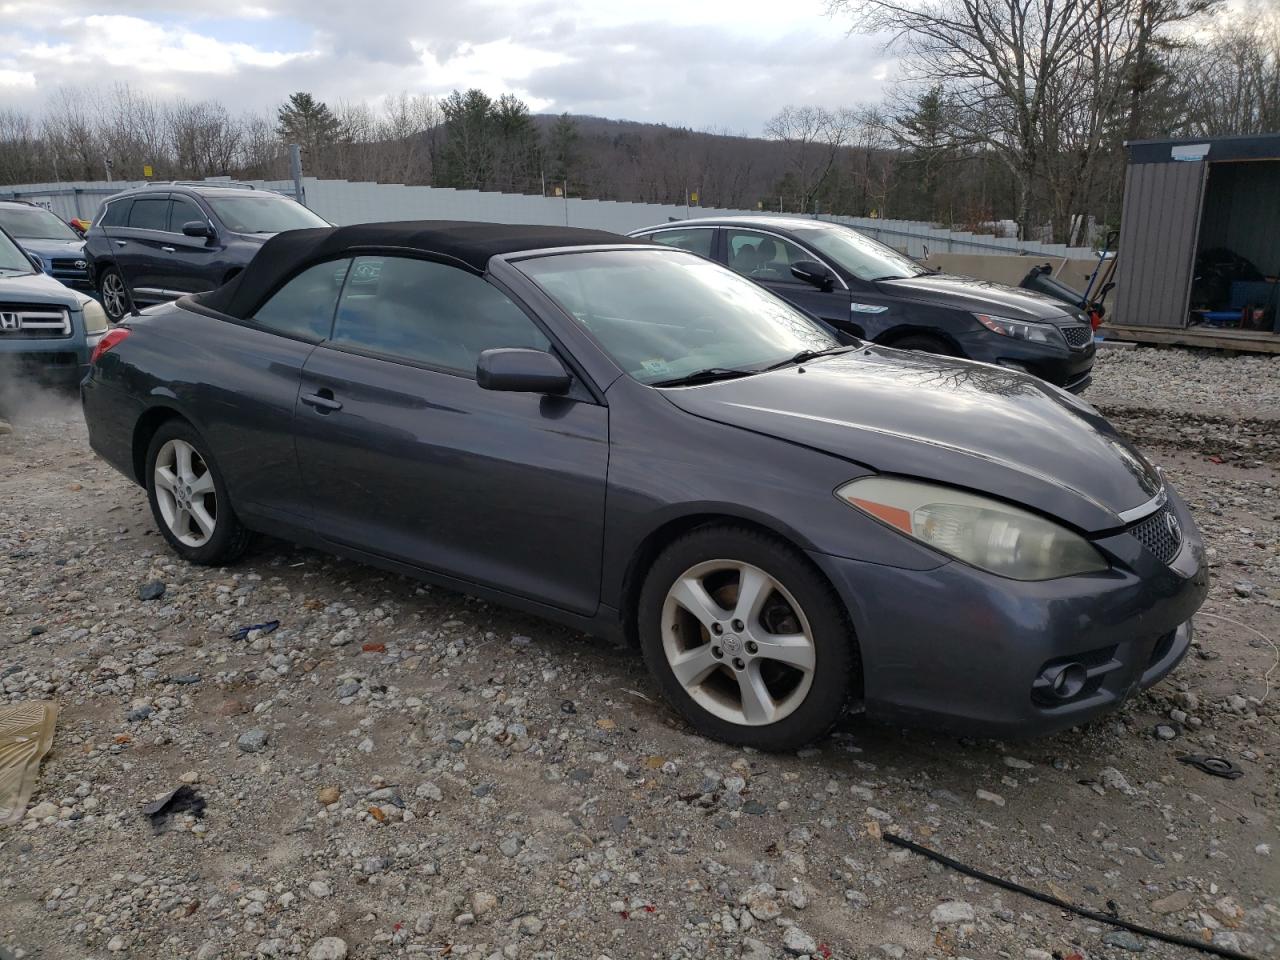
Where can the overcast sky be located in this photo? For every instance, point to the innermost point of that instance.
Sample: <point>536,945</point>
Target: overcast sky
<point>722,64</point>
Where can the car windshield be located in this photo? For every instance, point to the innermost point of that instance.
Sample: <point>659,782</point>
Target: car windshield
<point>34,223</point>
<point>865,258</point>
<point>268,213</point>
<point>666,314</point>
<point>12,259</point>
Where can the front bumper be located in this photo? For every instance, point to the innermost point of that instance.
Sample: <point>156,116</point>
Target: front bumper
<point>1061,366</point>
<point>966,651</point>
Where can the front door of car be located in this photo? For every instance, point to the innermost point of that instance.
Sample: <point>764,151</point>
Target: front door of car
<point>404,455</point>
<point>767,258</point>
<point>139,253</point>
<point>188,264</point>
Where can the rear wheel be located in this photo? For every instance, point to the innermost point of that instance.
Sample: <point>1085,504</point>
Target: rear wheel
<point>115,298</point>
<point>746,639</point>
<point>924,343</point>
<point>188,498</point>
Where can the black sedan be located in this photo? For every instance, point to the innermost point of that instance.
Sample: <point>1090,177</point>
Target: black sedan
<point>637,442</point>
<point>862,287</point>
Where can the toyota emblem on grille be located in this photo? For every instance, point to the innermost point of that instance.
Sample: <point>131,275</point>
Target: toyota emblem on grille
<point>1171,523</point>
<point>9,321</point>
<point>80,264</point>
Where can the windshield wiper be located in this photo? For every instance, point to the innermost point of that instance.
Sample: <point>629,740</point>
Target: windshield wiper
<point>804,355</point>
<point>706,375</point>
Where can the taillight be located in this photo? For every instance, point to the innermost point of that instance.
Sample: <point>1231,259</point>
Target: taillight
<point>109,340</point>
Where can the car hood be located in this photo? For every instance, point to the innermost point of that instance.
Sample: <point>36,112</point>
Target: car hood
<point>38,288</point>
<point>980,296</point>
<point>965,424</point>
<point>52,248</point>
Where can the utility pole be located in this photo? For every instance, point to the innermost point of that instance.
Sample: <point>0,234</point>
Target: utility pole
<point>107,163</point>
<point>566,202</point>
<point>295,170</point>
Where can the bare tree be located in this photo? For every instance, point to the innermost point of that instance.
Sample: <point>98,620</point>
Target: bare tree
<point>1231,82</point>
<point>813,137</point>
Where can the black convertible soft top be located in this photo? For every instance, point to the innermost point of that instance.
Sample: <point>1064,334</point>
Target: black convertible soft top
<point>470,242</point>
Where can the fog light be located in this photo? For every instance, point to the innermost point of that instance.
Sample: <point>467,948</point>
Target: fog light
<point>1064,681</point>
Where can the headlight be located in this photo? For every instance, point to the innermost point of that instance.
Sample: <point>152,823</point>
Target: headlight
<point>1022,329</point>
<point>95,318</point>
<point>988,534</point>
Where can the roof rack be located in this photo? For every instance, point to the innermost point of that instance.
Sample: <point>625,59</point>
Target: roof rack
<point>233,184</point>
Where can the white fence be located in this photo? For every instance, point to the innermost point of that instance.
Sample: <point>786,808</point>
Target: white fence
<point>343,202</point>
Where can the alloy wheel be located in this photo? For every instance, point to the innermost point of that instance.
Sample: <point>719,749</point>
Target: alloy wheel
<point>738,642</point>
<point>185,493</point>
<point>114,297</point>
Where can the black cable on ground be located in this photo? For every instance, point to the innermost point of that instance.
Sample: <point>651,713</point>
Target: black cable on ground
<point>956,865</point>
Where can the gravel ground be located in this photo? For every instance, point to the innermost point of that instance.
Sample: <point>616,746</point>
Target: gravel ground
<point>401,771</point>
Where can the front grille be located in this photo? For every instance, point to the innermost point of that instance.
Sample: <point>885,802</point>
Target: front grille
<point>33,321</point>
<point>1160,534</point>
<point>70,265</point>
<point>1077,336</point>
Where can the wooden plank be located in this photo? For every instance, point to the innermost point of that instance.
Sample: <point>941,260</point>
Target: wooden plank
<point>1254,341</point>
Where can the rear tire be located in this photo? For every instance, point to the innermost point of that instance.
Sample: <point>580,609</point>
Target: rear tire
<point>115,298</point>
<point>746,639</point>
<point>189,498</point>
<point>924,343</point>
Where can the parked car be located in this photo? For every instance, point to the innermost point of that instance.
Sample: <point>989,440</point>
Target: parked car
<point>47,331</point>
<point>642,444</point>
<point>60,248</point>
<point>166,240</point>
<point>869,290</point>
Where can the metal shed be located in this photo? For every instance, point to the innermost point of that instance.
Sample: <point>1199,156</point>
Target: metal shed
<point>1186,201</point>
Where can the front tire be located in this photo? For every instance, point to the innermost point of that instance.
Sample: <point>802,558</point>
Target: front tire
<point>115,298</point>
<point>189,498</point>
<point>746,638</point>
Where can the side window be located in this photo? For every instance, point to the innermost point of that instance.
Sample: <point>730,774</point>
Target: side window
<point>116,213</point>
<point>429,313</point>
<point>695,241</point>
<point>762,256</point>
<point>304,306</point>
<point>150,213</point>
<point>184,211</point>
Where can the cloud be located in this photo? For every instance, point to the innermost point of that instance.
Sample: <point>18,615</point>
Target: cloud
<point>723,64</point>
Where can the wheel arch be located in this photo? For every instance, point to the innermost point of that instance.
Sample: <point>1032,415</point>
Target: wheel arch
<point>672,529</point>
<point>144,430</point>
<point>903,330</point>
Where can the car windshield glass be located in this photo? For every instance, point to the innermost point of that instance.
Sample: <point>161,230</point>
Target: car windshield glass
<point>666,314</point>
<point>865,258</point>
<point>12,258</point>
<point>34,223</point>
<point>264,214</point>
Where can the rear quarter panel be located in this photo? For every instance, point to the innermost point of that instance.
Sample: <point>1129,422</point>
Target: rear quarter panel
<point>235,384</point>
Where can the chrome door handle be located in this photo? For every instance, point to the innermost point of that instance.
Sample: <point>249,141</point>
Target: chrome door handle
<point>168,249</point>
<point>322,403</point>
<point>121,243</point>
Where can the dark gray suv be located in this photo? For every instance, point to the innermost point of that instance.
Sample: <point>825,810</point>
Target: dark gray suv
<point>167,240</point>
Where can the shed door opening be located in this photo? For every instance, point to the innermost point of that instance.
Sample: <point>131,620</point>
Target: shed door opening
<point>1238,257</point>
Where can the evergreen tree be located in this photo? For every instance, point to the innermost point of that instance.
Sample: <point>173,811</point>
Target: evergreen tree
<point>308,122</point>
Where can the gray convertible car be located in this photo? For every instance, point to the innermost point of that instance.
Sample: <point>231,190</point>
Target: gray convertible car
<point>643,444</point>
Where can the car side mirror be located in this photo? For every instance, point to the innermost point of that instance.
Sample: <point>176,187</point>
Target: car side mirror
<point>197,228</point>
<point>36,262</point>
<point>811,271</point>
<point>519,370</point>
